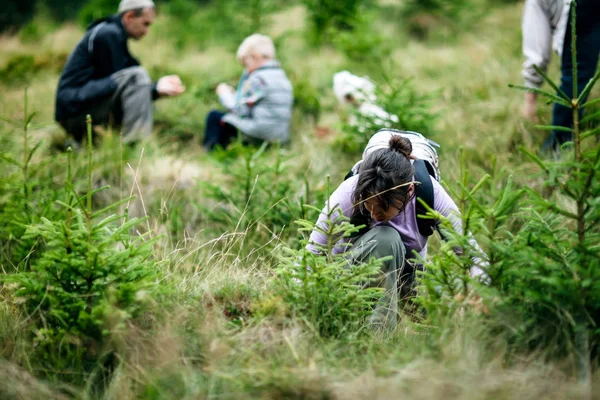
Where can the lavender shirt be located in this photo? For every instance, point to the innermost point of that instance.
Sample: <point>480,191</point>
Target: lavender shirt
<point>405,222</point>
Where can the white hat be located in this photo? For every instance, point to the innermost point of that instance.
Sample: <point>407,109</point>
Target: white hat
<point>127,5</point>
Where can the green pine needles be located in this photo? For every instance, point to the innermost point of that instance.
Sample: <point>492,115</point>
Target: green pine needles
<point>24,195</point>
<point>90,279</point>
<point>543,292</point>
<point>563,277</point>
<point>330,295</point>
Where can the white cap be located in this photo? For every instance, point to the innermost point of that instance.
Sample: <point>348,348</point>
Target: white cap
<point>127,5</point>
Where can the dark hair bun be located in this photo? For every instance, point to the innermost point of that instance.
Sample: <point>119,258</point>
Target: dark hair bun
<point>401,145</point>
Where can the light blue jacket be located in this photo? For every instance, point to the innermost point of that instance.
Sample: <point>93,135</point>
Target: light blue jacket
<point>263,104</point>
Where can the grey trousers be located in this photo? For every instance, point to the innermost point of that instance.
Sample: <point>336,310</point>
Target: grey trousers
<point>130,108</point>
<point>378,242</point>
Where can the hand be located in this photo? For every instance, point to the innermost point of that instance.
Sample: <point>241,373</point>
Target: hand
<point>530,107</point>
<point>223,89</point>
<point>170,85</point>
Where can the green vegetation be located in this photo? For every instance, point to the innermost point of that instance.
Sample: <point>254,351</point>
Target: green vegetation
<point>159,271</point>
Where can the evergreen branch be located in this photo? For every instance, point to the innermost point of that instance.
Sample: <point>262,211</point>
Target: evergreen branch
<point>551,83</point>
<point>28,120</point>
<point>568,191</point>
<point>11,160</point>
<point>67,206</point>
<point>101,189</point>
<point>479,184</point>
<point>591,102</point>
<point>554,128</point>
<point>11,122</point>
<point>72,189</point>
<point>590,117</point>
<point>588,87</point>
<point>534,158</point>
<point>551,96</point>
<point>113,205</point>
<point>33,150</point>
<point>41,125</point>
<point>590,178</point>
<point>34,169</point>
<point>590,133</point>
<point>552,206</point>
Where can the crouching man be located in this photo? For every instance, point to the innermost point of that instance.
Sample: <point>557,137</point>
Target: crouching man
<point>103,79</point>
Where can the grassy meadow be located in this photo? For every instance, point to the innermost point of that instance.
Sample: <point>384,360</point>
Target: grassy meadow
<point>210,233</point>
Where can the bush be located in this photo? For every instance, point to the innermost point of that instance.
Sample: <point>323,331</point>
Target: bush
<point>83,288</point>
<point>222,22</point>
<point>333,297</point>
<point>18,69</point>
<point>423,17</point>
<point>447,282</point>
<point>88,281</point>
<point>544,279</point>
<point>25,195</point>
<point>22,68</point>
<point>66,10</point>
<point>306,99</point>
<point>363,44</point>
<point>556,282</point>
<point>96,9</point>
<point>328,16</point>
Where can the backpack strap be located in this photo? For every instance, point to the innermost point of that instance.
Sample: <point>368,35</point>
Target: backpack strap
<point>349,175</point>
<point>424,191</point>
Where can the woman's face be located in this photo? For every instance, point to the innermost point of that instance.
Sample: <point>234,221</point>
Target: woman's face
<point>378,212</point>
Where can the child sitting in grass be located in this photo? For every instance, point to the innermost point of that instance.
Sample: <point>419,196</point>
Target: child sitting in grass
<point>261,107</point>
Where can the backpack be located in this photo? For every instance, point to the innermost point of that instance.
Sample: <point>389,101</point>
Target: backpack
<point>425,165</point>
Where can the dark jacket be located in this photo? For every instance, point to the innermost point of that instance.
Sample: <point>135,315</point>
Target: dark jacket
<point>85,80</point>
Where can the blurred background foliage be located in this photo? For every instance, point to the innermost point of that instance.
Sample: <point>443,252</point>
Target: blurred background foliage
<point>325,16</point>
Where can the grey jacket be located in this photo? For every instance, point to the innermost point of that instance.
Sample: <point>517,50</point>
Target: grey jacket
<point>263,104</point>
<point>544,25</point>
